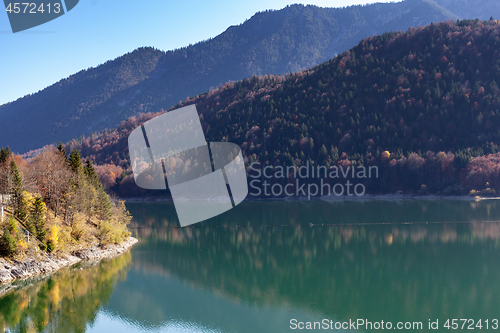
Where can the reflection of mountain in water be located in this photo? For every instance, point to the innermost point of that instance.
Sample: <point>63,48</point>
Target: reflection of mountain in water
<point>163,301</point>
<point>230,277</point>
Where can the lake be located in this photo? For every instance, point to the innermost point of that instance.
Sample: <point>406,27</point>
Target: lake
<point>269,266</point>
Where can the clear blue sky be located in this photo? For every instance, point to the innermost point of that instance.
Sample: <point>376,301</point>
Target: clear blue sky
<point>99,30</point>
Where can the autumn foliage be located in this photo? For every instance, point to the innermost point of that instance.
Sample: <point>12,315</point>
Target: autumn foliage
<point>60,202</point>
<point>399,101</point>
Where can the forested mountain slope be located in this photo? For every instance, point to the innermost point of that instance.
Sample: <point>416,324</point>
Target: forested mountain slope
<point>146,80</point>
<point>426,100</point>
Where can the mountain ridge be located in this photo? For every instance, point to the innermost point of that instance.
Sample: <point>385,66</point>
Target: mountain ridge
<point>147,80</point>
<point>424,103</point>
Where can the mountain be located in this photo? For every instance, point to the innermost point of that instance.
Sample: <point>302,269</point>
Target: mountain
<point>419,104</point>
<point>147,80</point>
<point>470,8</point>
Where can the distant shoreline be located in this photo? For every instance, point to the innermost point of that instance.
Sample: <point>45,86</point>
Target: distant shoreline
<point>13,270</point>
<point>366,197</point>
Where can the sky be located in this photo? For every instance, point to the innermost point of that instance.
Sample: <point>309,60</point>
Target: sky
<point>96,31</point>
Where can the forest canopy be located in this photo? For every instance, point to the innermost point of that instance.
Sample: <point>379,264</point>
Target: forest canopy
<point>420,104</point>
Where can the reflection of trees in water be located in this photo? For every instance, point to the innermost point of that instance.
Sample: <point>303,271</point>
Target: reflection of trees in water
<point>398,272</point>
<point>66,302</point>
<point>151,219</point>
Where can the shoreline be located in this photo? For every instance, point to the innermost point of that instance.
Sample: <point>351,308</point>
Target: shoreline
<point>11,271</point>
<point>366,197</point>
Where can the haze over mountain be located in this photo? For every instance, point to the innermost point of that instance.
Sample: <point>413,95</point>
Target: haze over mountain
<point>147,80</point>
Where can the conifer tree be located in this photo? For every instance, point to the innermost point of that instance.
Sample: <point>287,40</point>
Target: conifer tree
<point>4,154</point>
<point>91,174</point>
<point>37,217</point>
<point>8,241</point>
<point>75,161</point>
<point>61,149</point>
<point>103,205</point>
<point>16,190</point>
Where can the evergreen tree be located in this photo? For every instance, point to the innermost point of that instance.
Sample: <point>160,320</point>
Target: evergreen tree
<point>85,196</point>
<point>61,149</point>
<point>91,174</point>
<point>75,161</point>
<point>8,242</point>
<point>37,218</point>
<point>4,154</point>
<point>322,153</point>
<point>103,205</point>
<point>16,190</point>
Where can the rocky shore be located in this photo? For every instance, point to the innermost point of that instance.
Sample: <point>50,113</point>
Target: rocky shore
<point>29,267</point>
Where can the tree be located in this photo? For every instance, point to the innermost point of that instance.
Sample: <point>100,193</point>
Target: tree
<point>4,154</point>
<point>60,148</point>
<point>91,174</point>
<point>322,153</point>
<point>37,217</point>
<point>8,242</point>
<point>85,197</point>
<point>52,176</point>
<point>27,201</point>
<point>16,184</point>
<point>103,205</point>
<point>75,161</point>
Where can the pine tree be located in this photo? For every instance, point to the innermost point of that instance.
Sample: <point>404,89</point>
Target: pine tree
<point>103,205</point>
<point>61,149</point>
<point>334,152</point>
<point>16,190</point>
<point>4,154</point>
<point>37,218</point>
<point>91,174</point>
<point>8,242</point>
<point>322,153</point>
<point>75,161</point>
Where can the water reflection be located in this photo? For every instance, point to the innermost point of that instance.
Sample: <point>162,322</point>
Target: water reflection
<point>323,212</point>
<point>67,301</point>
<point>256,267</point>
<point>379,270</point>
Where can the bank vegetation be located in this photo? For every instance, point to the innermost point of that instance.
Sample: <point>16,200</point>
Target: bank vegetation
<point>55,202</point>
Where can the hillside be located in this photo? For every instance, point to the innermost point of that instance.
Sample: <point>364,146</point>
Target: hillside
<point>146,80</point>
<point>469,8</point>
<point>420,104</point>
<point>55,204</point>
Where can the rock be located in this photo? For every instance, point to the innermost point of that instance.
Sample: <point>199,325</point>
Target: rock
<point>5,276</point>
<point>31,267</point>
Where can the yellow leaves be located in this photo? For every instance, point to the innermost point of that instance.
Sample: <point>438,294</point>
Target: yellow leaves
<point>386,154</point>
<point>28,199</point>
<point>389,239</point>
<point>114,230</point>
<point>22,245</point>
<point>54,235</point>
<point>441,155</point>
<point>46,302</point>
<point>23,304</point>
<point>79,228</point>
<point>54,294</point>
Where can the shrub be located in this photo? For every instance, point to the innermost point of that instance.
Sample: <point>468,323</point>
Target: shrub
<point>8,242</point>
<point>80,230</point>
<point>114,229</point>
